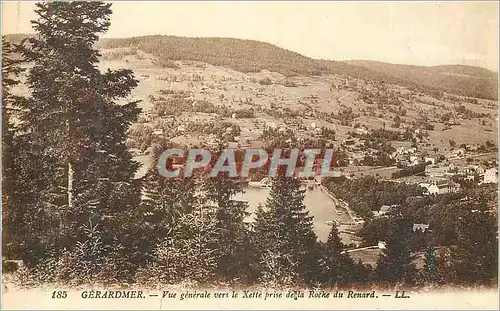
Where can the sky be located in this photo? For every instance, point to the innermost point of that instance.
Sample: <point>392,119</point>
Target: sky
<point>419,33</point>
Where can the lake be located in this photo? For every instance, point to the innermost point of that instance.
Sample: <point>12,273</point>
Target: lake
<point>319,204</point>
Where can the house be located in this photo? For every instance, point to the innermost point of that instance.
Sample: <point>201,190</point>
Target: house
<point>420,227</point>
<point>474,169</point>
<point>403,150</point>
<point>361,130</point>
<point>355,241</point>
<point>382,245</point>
<point>491,176</point>
<point>430,160</point>
<point>459,153</point>
<point>272,125</point>
<point>469,177</point>
<point>414,160</point>
<point>440,187</point>
<point>429,188</point>
<point>385,209</point>
<point>452,169</point>
<point>447,187</point>
<point>400,150</point>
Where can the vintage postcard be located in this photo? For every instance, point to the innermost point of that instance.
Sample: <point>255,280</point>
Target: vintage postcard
<point>250,155</point>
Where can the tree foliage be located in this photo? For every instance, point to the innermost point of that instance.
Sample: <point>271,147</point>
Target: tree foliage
<point>284,232</point>
<point>75,167</point>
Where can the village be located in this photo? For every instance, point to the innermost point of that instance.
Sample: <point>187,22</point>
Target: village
<point>437,141</point>
<point>381,130</point>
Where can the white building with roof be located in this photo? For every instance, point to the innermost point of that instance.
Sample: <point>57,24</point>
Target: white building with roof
<point>491,176</point>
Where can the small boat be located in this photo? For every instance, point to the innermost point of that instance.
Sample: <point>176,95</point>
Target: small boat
<point>264,183</point>
<point>255,184</point>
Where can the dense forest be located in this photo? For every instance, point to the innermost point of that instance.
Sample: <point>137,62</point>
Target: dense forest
<point>369,193</point>
<point>458,79</point>
<point>73,213</point>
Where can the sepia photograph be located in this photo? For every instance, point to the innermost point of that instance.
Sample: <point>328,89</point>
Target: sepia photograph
<point>249,155</point>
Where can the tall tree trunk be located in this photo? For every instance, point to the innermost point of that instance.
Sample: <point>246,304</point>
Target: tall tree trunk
<point>70,186</point>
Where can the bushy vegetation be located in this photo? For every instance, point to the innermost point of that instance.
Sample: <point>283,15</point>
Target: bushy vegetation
<point>455,241</point>
<point>265,81</point>
<point>418,169</point>
<point>217,128</point>
<point>178,102</point>
<point>368,194</point>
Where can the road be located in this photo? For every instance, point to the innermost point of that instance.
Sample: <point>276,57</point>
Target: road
<point>345,95</point>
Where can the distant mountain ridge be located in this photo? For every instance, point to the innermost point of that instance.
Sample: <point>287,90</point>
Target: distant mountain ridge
<point>254,56</point>
<point>458,79</point>
<point>458,69</point>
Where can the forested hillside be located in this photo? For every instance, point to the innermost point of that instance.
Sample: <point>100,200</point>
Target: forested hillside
<point>254,56</point>
<point>463,80</point>
<point>241,55</point>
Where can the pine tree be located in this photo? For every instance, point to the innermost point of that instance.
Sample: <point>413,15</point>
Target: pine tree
<point>164,201</point>
<point>25,175</point>
<point>218,193</point>
<point>284,229</point>
<point>229,214</point>
<point>11,216</point>
<point>445,269</point>
<point>476,255</point>
<point>395,263</point>
<point>429,272</point>
<point>74,121</point>
<point>188,254</point>
<point>338,268</point>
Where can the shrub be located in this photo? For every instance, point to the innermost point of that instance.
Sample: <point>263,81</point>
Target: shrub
<point>265,81</point>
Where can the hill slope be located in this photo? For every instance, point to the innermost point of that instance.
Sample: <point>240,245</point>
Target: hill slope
<point>458,79</point>
<point>254,56</point>
<point>240,55</point>
<point>251,56</point>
